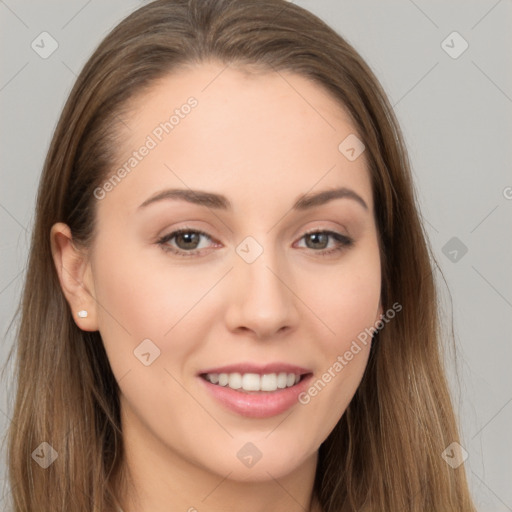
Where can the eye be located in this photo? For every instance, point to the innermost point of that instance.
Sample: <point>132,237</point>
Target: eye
<point>185,242</point>
<point>325,242</point>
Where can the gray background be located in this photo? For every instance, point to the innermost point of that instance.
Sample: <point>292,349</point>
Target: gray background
<point>456,117</point>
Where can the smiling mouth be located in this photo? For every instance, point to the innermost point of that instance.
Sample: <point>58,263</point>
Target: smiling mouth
<point>254,382</point>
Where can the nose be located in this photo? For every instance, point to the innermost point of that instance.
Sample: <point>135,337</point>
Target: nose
<point>262,300</point>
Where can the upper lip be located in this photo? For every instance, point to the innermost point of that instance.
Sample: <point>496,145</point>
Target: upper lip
<point>260,369</point>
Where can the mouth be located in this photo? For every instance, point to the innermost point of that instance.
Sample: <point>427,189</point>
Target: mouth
<point>256,391</point>
<point>254,382</point>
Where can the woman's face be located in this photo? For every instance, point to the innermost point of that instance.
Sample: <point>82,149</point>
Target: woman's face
<point>269,279</point>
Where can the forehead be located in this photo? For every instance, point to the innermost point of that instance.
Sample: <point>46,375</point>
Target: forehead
<point>246,134</point>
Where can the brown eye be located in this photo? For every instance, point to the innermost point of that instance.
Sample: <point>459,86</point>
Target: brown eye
<point>185,242</point>
<point>317,240</point>
<point>325,242</point>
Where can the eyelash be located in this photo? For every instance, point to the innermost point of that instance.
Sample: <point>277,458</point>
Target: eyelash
<point>344,242</point>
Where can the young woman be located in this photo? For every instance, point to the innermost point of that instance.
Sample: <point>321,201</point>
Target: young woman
<point>229,303</point>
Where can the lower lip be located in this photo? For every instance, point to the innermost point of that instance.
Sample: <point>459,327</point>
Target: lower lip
<point>260,404</point>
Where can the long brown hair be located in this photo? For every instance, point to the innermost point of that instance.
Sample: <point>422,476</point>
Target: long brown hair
<point>385,452</point>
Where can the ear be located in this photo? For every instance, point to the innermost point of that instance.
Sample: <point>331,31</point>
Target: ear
<point>75,276</point>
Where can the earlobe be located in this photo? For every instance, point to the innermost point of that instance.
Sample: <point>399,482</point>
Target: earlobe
<point>73,270</point>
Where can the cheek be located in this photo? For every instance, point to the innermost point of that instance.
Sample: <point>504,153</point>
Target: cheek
<point>346,303</point>
<point>345,297</point>
<point>154,301</point>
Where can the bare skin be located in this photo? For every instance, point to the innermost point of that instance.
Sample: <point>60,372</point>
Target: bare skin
<point>303,300</point>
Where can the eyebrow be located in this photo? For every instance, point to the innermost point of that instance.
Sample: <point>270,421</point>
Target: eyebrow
<point>218,201</point>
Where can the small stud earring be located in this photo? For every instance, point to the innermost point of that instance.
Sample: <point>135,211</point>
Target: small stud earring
<point>82,314</point>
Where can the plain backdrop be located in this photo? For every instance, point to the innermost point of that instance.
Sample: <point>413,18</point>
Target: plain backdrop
<point>455,108</point>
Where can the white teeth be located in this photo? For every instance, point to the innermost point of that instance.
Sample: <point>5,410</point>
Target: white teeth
<point>235,381</point>
<point>251,382</point>
<point>268,382</point>
<point>214,378</point>
<point>282,379</point>
<point>254,381</point>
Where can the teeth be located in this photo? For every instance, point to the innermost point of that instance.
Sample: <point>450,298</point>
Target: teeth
<point>235,381</point>
<point>251,382</point>
<point>282,379</point>
<point>268,382</point>
<point>254,381</point>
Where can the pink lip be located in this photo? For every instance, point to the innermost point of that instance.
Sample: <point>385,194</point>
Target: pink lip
<point>257,404</point>
<point>259,369</point>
